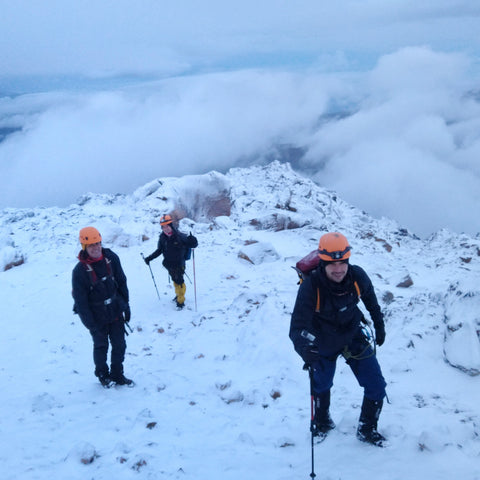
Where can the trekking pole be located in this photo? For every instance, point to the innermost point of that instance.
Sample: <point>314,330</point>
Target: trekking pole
<point>153,278</point>
<point>194,278</point>
<point>312,414</point>
<point>125,329</point>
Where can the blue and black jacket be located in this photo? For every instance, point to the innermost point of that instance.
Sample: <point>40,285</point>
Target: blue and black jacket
<point>329,311</point>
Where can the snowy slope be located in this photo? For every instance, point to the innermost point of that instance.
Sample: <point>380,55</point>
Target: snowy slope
<point>220,391</point>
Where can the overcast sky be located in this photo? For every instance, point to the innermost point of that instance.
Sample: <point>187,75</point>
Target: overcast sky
<point>109,95</point>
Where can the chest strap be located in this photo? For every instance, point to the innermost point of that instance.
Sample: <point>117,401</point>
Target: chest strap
<point>93,275</point>
<point>317,307</point>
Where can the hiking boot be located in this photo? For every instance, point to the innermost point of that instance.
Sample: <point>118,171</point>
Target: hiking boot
<point>122,380</point>
<point>369,434</point>
<point>105,380</point>
<point>367,424</point>
<point>321,426</point>
<point>180,305</point>
<point>322,421</point>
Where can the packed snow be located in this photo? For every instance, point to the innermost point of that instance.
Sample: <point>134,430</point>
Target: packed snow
<point>220,393</point>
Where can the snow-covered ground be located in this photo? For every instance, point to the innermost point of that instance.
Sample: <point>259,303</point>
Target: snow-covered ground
<point>220,392</point>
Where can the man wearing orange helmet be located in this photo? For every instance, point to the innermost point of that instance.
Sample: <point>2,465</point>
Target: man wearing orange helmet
<point>173,244</point>
<point>326,323</point>
<point>99,289</point>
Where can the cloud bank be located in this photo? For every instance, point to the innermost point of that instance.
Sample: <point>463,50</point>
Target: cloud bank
<point>381,103</point>
<point>411,151</point>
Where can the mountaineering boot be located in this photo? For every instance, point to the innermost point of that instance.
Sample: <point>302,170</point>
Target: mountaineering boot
<point>122,380</point>
<point>367,424</point>
<point>177,303</point>
<point>117,376</point>
<point>322,421</point>
<point>105,380</point>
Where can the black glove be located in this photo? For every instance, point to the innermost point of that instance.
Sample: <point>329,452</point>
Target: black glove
<point>147,260</point>
<point>126,314</point>
<point>310,354</point>
<point>379,333</point>
<point>193,242</point>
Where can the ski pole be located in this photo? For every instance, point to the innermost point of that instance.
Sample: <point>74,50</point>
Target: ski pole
<point>312,415</point>
<point>194,278</point>
<point>153,278</point>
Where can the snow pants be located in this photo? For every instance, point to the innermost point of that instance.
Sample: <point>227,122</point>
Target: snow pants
<point>364,366</point>
<point>115,333</point>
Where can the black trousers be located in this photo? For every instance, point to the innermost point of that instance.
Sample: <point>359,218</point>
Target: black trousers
<point>176,273</point>
<point>113,334</point>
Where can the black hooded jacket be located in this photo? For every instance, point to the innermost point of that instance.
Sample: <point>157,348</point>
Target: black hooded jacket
<point>339,318</point>
<point>99,289</point>
<point>173,248</point>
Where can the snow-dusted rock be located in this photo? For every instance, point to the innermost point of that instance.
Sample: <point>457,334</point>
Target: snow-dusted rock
<point>258,252</point>
<point>462,331</point>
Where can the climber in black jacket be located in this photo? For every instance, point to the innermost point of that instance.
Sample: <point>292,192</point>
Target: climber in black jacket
<point>326,323</point>
<point>100,293</point>
<point>173,245</point>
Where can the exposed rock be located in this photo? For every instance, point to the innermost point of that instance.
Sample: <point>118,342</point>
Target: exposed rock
<point>406,282</point>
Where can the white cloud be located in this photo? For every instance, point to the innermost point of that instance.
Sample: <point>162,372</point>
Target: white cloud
<point>417,98</point>
<point>115,141</point>
<point>405,154</point>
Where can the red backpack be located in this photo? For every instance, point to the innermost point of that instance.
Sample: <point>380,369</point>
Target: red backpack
<point>306,265</point>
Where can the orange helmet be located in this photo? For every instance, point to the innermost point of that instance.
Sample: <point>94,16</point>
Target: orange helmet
<point>333,247</point>
<point>166,219</point>
<point>89,235</point>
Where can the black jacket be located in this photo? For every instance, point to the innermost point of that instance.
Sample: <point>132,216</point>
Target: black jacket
<point>173,248</point>
<point>339,318</point>
<point>99,289</point>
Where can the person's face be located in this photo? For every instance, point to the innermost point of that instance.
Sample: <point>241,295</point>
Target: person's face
<point>336,271</point>
<point>167,229</point>
<point>95,250</point>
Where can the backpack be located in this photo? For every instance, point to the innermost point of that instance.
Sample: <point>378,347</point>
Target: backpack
<point>188,253</point>
<point>306,265</point>
<point>309,263</point>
